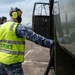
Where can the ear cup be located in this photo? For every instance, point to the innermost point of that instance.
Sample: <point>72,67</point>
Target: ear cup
<point>14,15</point>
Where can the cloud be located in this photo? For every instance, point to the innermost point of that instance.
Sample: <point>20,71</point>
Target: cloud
<point>10,1</point>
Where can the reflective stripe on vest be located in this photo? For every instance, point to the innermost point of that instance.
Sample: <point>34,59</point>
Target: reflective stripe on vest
<point>13,42</point>
<point>11,27</point>
<point>12,52</point>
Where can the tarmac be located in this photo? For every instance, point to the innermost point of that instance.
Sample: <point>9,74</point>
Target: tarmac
<point>36,59</point>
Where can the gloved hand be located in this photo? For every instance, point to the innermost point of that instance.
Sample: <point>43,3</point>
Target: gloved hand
<point>48,43</point>
<point>52,43</point>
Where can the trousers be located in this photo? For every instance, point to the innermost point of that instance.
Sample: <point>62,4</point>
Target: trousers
<point>14,69</point>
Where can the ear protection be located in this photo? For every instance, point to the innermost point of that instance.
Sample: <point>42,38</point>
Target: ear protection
<point>14,13</point>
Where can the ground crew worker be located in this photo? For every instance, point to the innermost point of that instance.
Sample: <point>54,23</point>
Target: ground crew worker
<point>12,43</point>
<point>3,19</point>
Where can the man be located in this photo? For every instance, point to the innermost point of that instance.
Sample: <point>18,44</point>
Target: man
<point>12,43</point>
<point>3,19</point>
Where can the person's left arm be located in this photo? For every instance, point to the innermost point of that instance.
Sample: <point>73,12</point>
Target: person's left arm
<point>29,34</point>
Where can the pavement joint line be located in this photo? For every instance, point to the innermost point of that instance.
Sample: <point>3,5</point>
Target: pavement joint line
<point>27,53</point>
<point>34,62</point>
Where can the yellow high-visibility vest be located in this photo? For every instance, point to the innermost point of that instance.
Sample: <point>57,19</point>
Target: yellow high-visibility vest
<point>11,47</point>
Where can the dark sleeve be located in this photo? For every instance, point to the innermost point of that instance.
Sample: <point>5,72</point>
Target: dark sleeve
<point>29,34</point>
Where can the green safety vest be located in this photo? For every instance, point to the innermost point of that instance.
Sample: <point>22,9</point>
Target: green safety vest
<point>11,47</point>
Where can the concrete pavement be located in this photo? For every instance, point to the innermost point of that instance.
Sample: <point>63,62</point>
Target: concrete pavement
<point>36,59</point>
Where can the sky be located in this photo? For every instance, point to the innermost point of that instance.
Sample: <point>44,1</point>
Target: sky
<point>25,5</point>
